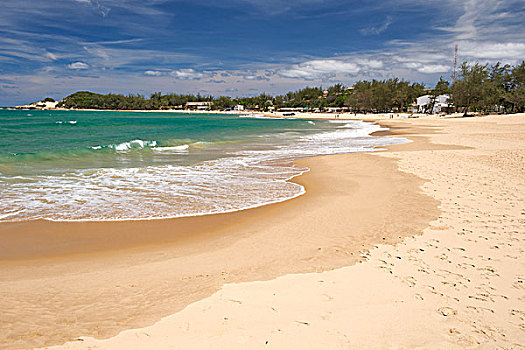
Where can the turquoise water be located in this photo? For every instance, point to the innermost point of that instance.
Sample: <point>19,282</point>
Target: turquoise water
<point>84,165</point>
<point>56,141</point>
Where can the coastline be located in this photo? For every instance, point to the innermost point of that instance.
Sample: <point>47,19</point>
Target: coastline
<point>281,239</point>
<point>195,256</point>
<point>457,286</point>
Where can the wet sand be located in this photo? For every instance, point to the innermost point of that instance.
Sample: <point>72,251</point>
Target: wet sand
<point>60,281</point>
<point>459,285</point>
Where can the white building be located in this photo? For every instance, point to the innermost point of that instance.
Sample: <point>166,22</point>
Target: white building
<point>238,108</point>
<point>198,105</point>
<point>334,109</point>
<point>441,103</point>
<point>40,105</point>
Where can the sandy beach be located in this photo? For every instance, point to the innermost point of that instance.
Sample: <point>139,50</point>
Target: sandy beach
<point>419,246</point>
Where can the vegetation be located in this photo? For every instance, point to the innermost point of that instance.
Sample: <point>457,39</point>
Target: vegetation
<point>484,88</point>
<point>480,88</point>
<point>383,96</point>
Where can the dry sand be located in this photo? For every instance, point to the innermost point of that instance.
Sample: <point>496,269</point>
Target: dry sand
<point>459,285</point>
<point>60,281</point>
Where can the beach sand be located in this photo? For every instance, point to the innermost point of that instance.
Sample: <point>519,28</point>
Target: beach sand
<point>65,280</point>
<point>421,247</point>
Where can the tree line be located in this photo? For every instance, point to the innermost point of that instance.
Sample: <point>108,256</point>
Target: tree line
<point>478,88</point>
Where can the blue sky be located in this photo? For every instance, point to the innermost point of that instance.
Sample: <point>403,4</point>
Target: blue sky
<point>243,47</point>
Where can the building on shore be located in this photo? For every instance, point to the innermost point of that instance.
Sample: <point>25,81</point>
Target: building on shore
<point>336,109</point>
<point>293,109</point>
<point>434,104</point>
<point>199,105</point>
<point>39,105</point>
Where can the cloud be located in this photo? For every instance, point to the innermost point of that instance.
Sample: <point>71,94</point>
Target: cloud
<point>370,63</point>
<point>316,69</point>
<point>42,44</point>
<point>153,73</point>
<point>266,7</point>
<point>492,50</point>
<point>189,74</point>
<point>486,19</point>
<point>378,29</point>
<point>328,68</point>
<point>78,65</point>
<point>255,77</point>
<point>428,68</point>
<point>51,56</point>
<point>97,5</point>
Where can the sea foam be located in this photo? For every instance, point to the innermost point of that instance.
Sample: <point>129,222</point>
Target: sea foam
<point>244,177</point>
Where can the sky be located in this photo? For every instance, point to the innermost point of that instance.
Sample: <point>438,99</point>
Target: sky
<point>52,48</point>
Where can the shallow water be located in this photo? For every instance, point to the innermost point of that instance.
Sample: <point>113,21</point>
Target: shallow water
<point>84,165</point>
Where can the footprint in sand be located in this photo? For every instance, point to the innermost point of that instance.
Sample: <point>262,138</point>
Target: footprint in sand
<point>447,311</point>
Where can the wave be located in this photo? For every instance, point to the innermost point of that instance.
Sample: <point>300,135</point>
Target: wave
<point>261,116</point>
<point>180,148</point>
<point>128,145</point>
<point>125,146</point>
<point>244,176</point>
<point>6,215</point>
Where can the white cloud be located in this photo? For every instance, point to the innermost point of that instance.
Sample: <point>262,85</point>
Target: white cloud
<point>98,51</point>
<point>377,29</point>
<point>78,65</point>
<point>434,68</point>
<point>329,68</point>
<point>266,7</point>
<point>370,63</point>
<point>486,19</point>
<point>97,5</point>
<point>189,74</point>
<point>320,69</point>
<point>427,68</point>
<point>153,73</point>
<point>255,77</point>
<point>51,56</point>
<point>492,50</point>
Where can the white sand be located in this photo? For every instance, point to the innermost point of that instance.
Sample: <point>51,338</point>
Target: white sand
<point>459,285</point>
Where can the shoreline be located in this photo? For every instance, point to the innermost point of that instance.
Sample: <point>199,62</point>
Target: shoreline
<point>196,257</point>
<point>52,236</point>
<point>281,115</point>
<point>341,201</point>
<point>457,286</point>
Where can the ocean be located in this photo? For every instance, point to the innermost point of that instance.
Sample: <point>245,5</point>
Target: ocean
<point>102,165</point>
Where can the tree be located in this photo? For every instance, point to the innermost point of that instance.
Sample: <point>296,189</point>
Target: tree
<point>473,90</point>
<point>516,93</point>
<point>478,88</point>
<point>224,102</point>
<point>442,87</point>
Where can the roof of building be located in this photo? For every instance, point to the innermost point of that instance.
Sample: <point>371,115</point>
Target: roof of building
<point>207,103</point>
